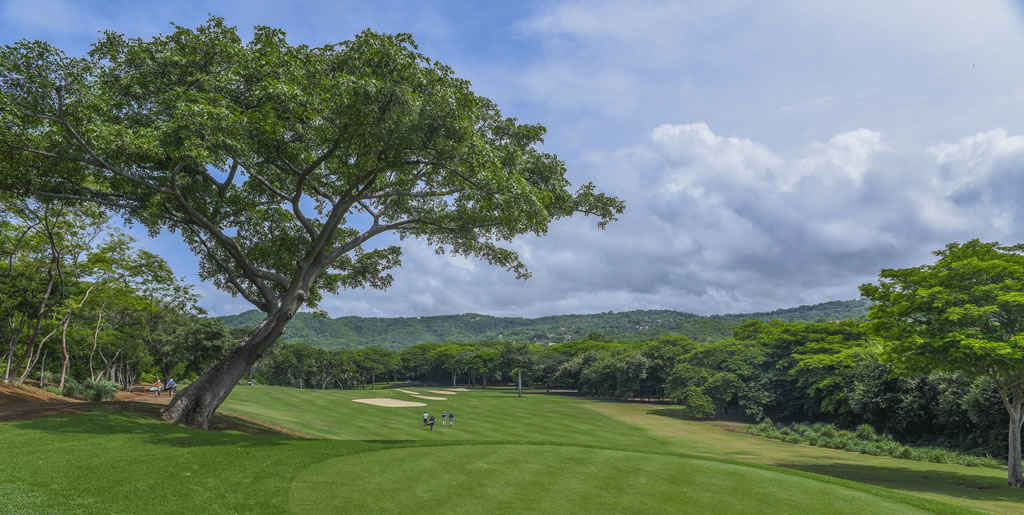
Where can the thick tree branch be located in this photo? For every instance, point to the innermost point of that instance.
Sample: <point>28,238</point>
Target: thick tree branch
<point>99,160</point>
<point>268,298</point>
<point>225,241</point>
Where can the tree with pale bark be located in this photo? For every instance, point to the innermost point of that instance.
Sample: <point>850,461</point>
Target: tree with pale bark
<point>964,313</point>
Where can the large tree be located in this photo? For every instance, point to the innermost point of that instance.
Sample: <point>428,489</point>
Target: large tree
<point>277,163</point>
<point>964,313</point>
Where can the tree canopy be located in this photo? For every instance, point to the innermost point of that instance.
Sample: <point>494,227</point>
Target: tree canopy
<point>964,313</point>
<point>277,163</point>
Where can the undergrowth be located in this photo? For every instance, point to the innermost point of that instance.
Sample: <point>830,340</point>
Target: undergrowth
<point>865,440</point>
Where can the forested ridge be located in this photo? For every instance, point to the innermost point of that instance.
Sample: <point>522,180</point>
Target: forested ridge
<point>352,332</point>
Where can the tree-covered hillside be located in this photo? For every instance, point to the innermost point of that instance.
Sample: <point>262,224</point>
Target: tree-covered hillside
<point>630,326</point>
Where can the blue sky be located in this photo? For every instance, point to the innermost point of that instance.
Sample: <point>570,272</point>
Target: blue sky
<point>771,153</point>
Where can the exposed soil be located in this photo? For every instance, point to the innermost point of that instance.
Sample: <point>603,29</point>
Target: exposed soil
<point>20,402</point>
<point>11,394</point>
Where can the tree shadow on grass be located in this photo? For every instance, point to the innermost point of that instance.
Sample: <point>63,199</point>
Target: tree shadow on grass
<point>966,484</point>
<point>126,418</point>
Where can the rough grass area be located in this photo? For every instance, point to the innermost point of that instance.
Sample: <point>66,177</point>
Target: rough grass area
<point>864,440</point>
<point>561,453</point>
<point>972,487</point>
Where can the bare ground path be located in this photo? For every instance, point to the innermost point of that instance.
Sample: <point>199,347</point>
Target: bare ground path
<point>20,402</point>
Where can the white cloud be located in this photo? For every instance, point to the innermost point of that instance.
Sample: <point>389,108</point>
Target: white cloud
<point>834,139</point>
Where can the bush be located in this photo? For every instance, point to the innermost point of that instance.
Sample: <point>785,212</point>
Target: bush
<point>97,391</point>
<point>866,432</point>
<point>826,430</point>
<point>792,438</point>
<point>865,440</point>
<point>72,389</point>
<point>52,389</point>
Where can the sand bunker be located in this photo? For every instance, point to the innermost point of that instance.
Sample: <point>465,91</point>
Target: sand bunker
<point>442,391</point>
<point>410,392</point>
<point>390,403</point>
<point>459,390</point>
<point>429,398</point>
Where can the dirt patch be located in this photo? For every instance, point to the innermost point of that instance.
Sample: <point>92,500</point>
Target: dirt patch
<point>149,398</point>
<point>389,403</point>
<point>21,394</point>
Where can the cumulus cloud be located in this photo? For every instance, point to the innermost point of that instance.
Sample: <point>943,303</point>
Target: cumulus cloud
<point>771,154</point>
<point>718,224</point>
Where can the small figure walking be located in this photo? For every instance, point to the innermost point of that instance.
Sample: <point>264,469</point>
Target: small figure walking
<point>425,417</point>
<point>171,386</point>
<point>159,386</point>
<point>451,418</point>
<point>444,416</point>
<point>431,423</point>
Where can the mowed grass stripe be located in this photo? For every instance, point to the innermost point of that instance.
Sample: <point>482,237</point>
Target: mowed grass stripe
<point>486,414</point>
<point>974,487</point>
<point>564,479</point>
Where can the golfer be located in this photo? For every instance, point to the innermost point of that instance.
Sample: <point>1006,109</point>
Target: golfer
<point>451,418</point>
<point>425,417</point>
<point>444,416</point>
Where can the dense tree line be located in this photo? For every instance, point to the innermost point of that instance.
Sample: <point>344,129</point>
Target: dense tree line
<point>350,332</point>
<point>80,303</point>
<point>788,371</point>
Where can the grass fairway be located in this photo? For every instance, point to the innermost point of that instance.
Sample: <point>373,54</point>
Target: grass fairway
<point>561,479</point>
<point>540,454</point>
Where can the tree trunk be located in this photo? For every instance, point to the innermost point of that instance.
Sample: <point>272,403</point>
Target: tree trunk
<point>35,355</point>
<point>42,367</point>
<point>1014,473</point>
<point>67,358</point>
<point>15,337</point>
<point>195,405</point>
<point>95,339</point>
<point>519,381</point>
<point>373,380</point>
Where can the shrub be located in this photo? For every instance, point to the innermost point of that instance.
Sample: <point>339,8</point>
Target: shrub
<point>792,438</point>
<point>865,440</point>
<point>866,432</point>
<point>72,389</point>
<point>52,389</point>
<point>100,391</point>
<point>826,430</point>
<point>938,455</point>
<point>49,377</point>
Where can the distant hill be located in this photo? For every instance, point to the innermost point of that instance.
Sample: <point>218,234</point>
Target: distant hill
<point>629,326</point>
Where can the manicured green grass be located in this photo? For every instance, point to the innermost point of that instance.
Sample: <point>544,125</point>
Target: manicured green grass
<point>560,479</point>
<point>490,414</point>
<point>972,487</point>
<point>562,453</point>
